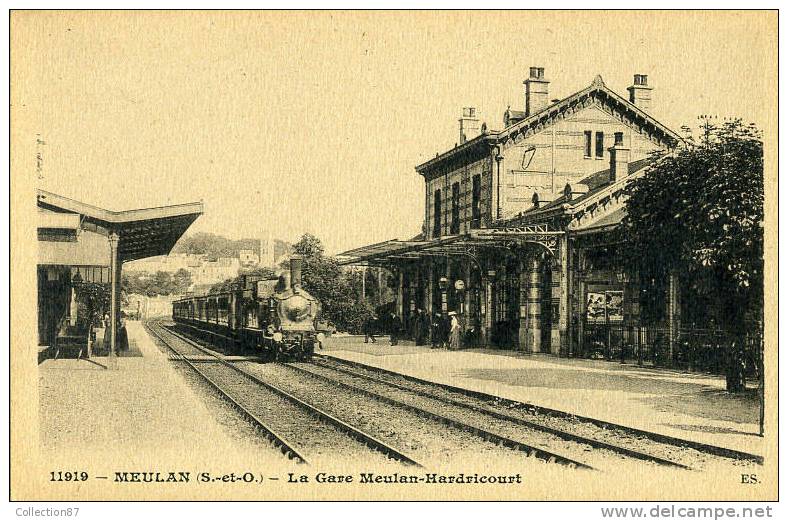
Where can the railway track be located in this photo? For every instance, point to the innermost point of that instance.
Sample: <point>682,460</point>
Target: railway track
<point>475,433</point>
<point>539,434</point>
<point>319,434</point>
<point>506,430</point>
<point>545,420</point>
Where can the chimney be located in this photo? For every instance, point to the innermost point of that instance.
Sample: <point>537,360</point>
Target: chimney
<point>619,159</point>
<point>469,124</point>
<point>295,271</point>
<point>536,97</point>
<point>640,92</point>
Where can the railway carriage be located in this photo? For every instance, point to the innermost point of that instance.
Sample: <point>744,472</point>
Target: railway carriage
<point>275,317</point>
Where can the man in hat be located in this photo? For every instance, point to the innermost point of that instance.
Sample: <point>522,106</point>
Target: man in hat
<point>370,325</point>
<point>423,327</point>
<point>445,330</point>
<point>437,330</point>
<point>395,327</point>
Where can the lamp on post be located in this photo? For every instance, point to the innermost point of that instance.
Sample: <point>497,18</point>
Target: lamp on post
<point>443,284</point>
<point>459,286</point>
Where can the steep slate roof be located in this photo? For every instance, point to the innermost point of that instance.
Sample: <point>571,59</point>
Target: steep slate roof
<point>595,182</point>
<point>598,183</point>
<point>634,116</point>
<point>609,221</point>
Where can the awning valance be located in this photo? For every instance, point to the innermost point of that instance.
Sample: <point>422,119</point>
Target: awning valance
<point>605,223</point>
<point>143,232</point>
<point>468,243</point>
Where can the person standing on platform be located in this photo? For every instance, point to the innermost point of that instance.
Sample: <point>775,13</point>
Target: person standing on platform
<point>369,328</point>
<point>437,330</point>
<point>426,324</point>
<point>123,336</point>
<point>422,327</point>
<point>454,331</point>
<point>445,330</point>
<point>395,326</point>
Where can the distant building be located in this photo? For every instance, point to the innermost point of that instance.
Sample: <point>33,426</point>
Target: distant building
<point>248,258</point>
<point>211,272</point>
<point>167,263</point>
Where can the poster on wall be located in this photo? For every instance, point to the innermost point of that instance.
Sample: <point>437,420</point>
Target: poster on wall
<point>595,308</point>
<point>604,307</point>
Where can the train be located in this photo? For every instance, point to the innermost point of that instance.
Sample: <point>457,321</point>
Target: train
<point>274,317</point>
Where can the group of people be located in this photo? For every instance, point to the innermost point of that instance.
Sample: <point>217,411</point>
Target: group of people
<point>445,329</point>
<point>441,330</point>
<point>391,323</point>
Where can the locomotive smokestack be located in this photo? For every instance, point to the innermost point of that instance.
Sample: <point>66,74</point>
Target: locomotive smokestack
<point>295,271</point>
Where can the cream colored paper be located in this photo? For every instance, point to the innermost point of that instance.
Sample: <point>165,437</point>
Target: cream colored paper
<point>313,121</point>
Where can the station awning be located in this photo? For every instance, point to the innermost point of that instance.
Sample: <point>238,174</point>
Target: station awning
<point>468,243</point>
<point>143,232</point>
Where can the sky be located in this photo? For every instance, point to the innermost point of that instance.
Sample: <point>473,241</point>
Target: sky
<point>314,121</point>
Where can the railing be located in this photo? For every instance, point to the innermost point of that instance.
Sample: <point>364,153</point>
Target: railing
<point>695,349</point>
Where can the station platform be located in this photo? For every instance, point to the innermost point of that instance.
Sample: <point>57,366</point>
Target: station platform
<point>684,405</point>
<point>137,405</point>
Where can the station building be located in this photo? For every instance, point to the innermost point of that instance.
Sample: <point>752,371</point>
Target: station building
<point>517,235</point>
<point>79,243</point>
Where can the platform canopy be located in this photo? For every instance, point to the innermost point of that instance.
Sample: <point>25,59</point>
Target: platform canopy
<point>142,232</point>
<point>466,244</point>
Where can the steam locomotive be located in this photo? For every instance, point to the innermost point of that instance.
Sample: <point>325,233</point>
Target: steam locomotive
<point>275,316</point>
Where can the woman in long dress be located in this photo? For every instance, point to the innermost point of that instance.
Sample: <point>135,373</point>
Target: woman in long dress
<point>454,334</point>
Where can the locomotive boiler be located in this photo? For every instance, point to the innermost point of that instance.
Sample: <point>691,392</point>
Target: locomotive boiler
<point>274,316</point>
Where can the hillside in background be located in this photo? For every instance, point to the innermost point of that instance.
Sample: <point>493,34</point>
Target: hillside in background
<point>213,246</point>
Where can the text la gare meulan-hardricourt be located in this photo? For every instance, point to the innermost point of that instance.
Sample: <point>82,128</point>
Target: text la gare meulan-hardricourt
<point>323,477</point>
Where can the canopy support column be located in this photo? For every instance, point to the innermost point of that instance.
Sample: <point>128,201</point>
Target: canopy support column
<point>466,294</point>
<point>401,293</point>
<point>428,293</point>
<point>534,305</point>
<point>114,309</point>
<point>564,307</point>
<point>487,306</point>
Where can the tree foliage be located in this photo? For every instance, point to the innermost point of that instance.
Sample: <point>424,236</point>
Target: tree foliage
<point>309,246</point>
<point>228,284</point>
<point>699,211</point>
<point>337,290</point>
<point>213,246</point>
<point>159,283</point>
<point>94,298</point>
